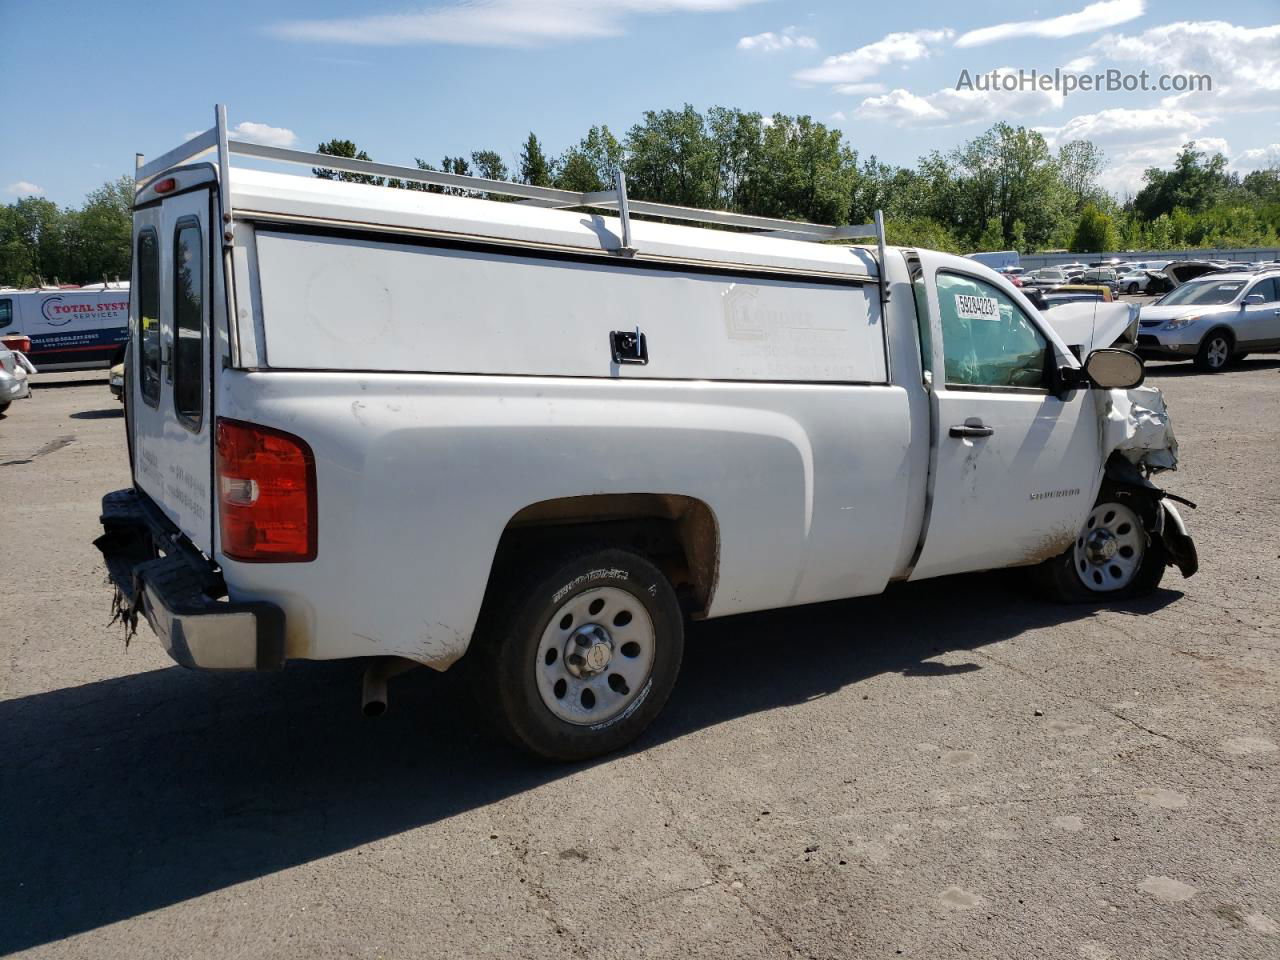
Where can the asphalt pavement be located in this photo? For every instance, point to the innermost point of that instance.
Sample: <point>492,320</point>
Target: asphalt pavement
<point>951,769</point>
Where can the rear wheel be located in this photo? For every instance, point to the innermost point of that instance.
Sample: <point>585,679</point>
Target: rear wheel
<point>577,657</point>
<point>1113,558</point>
<point>4,406</point>
<point>1133,288</point>
<point>1215,352</point>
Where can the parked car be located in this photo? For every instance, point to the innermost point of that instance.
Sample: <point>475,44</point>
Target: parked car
<point>14,368</point>
<point>1179,272</point>
<point>1136,281</point>
<point>1213,320</point>
<point>1100,276</point>
<point>1100,291</point>
<point>358,448</point>
<point>1045,277</point>
<point>1070,268</point>
<point>115,381</point>
<point>1057,299</point>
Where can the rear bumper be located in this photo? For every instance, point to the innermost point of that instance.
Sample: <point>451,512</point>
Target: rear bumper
<point>179,592</point>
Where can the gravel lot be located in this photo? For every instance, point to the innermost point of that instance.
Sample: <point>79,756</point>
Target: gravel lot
<point>950,769</point>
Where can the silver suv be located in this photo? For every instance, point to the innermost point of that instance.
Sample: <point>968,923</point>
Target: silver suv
<point>1213,320</point>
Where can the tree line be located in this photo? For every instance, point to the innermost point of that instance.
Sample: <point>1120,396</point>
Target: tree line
<point>41,242</point>
<point>1004,189</point>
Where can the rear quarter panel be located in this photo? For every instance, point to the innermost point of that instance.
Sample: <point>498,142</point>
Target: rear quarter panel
<point>418,476</point>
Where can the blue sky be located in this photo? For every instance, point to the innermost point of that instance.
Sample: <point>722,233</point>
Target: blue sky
<point>89,84</point>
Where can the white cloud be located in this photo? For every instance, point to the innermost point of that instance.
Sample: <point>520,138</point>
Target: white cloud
<point>860,65</point>
<point>901,108</point>
<point>859,89</point>
<point>255,133</point>
<point>23,188</point>
<point>1080,64</point>
<point>1125,126</point>
<point>1242,61</point>
<point>1135,140</point>
<point>948,106</point>
<point>1096,16</point>
<point>1261,158</point>
<point>788,39</point>
<point>1125,167</point>
<point>263,133</point>
<point>838,117</point>
<point>493,23</point>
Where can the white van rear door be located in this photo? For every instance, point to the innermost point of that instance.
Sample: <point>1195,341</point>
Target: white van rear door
<point>169,392</point>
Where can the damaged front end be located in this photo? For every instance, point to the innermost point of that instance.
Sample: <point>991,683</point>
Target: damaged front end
<point>1137,443</point>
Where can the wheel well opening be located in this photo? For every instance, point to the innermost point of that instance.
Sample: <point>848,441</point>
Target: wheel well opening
<point>678,533</point>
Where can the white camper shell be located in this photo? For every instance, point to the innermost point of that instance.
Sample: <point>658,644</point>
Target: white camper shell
<point>405,425</point>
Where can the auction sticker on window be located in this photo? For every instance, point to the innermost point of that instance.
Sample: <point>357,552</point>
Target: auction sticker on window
<point>970,307</point>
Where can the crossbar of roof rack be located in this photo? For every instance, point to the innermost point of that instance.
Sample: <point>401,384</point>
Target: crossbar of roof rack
<point>547,196</point>
<point>215,138</point>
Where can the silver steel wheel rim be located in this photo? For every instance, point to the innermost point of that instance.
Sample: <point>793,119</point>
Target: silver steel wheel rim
<point>612,635</point>
<point>1109,551</point>
<point>1217,352</point>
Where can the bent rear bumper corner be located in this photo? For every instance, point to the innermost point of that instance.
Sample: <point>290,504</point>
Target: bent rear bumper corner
<point>181,595</point>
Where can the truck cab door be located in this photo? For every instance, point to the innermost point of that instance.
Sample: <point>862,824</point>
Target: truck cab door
<point>169,381</point>
<point>1014,469</point>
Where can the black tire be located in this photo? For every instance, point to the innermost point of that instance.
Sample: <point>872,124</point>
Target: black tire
<point>1133,289</point>
<point>1215,352</point>
<point>4,406</point>
<point>510,659</point>
<point>1063,579</point>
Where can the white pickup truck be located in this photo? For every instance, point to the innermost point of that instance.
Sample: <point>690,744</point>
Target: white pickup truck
<point>411,425</point>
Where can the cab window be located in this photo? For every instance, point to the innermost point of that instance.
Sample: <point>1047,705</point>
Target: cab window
<point>6,313</point>
<point>148,329</point>
<point>987,340</point>
<point>188,322</point>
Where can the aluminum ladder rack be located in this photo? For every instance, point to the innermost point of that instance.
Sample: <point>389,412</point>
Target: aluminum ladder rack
<point>616,199</point>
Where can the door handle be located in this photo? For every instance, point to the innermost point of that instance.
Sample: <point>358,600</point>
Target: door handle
<point>972,428</point>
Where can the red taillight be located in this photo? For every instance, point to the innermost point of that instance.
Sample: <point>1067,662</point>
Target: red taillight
<point>266,494</point>
<point>20,344</point>
<point>167,185</point>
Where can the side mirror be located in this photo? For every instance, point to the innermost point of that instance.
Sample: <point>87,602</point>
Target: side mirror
<point>1113,369</point>
<point>1253,298</point>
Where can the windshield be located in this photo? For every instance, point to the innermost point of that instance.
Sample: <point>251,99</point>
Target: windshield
<point>1205,292</point>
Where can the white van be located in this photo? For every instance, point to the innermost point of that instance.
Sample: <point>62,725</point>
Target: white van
<point>408,426</point>
<point>80,328</point>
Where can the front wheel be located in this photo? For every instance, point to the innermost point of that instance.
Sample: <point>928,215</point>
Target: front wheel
<point>1113,558</point>
<point>1133,288</point>
<point>578,656</point>
<point>4,406</point>
<point>1214,353</point>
